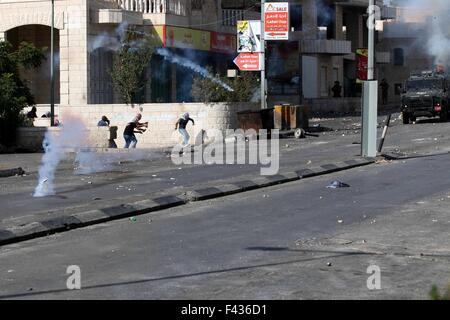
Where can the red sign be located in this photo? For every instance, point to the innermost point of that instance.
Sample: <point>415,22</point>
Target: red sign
<point>276,21</point>
<point>247,61</point>
<point>362,58</point>
<point>223,43</point>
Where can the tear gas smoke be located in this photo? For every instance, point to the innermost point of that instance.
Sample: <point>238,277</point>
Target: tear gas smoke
<point>56,146</point>
<point>173,58</point>
<point>73,137</point>
<point>433,15</point>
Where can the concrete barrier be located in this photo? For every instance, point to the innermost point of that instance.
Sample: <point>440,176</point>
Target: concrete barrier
<point>33,137</point>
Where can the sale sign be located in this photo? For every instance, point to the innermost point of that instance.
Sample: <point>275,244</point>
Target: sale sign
<point>276,21</point>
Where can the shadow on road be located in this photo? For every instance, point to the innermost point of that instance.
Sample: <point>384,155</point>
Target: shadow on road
<point>332,254</point>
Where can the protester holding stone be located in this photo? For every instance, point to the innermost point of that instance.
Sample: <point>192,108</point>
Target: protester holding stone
<point>134,127</point>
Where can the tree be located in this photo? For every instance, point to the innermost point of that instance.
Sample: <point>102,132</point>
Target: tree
<point>130,64</point>
<point>14,93</point>
<point>245,88</point>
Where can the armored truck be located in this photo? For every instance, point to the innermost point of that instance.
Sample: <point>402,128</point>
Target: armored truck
<point>425,95</point>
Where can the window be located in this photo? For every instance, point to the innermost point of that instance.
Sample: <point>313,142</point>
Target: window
<point>295,17</point>
<point>399,57</point>
<point>326,20</point>
<point>196,4</point>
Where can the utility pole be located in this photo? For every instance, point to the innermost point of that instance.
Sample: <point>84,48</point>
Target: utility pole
<point>370,93</point>
<point>52,68</point>
<point>371,40</point>
<point>263,59</point>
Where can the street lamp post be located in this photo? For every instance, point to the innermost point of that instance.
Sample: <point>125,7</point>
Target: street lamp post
<point>52,68</point>
<point>370,93</point>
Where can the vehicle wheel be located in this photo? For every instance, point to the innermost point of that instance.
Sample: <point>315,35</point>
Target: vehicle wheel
<point>299,133</point>
<point>405,117</point>
<point>443,116</point>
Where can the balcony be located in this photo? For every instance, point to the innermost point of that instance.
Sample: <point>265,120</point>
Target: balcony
<point>118,16</point>
<point>332,47</point>
<point>388,13</point>
<point>175,7</point>
<point>231,16</point>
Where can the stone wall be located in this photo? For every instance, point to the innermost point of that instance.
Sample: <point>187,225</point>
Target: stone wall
<point>32,137</point>
<point>161,118</point>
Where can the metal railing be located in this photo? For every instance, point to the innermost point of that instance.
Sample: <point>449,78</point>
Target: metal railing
<point>176,7</point>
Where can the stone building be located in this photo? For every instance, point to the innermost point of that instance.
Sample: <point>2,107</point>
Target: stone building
<point>323,39</point>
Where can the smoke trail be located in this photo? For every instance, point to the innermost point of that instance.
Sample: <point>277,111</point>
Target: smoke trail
<point>191,65</point>
<point>110,41</point>
<point>56,145</point>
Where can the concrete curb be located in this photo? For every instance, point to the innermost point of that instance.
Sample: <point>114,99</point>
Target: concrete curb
<point>11,172</point>
<point>87,218</point>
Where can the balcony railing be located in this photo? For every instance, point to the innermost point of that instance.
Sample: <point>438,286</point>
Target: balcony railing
<point>231,16</point>
<point>176,7</point>
<point>333,47</point>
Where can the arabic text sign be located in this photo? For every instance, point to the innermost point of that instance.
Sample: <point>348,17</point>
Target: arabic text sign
<point>249,61</point>
<point>276,21</point>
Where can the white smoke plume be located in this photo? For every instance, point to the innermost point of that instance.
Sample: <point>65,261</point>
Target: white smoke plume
<point>111,41</point>
<point>433,16</point>
<point>73,137</point>
<point>182,61</point>
<point>57,145</point>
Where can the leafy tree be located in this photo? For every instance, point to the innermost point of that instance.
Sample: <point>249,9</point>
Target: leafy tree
<point>245,88</point>
<point>14,93</point>
<point>130,64</point>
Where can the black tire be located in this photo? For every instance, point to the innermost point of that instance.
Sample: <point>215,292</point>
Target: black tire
<point>405,117</point>
<point>299,133</point>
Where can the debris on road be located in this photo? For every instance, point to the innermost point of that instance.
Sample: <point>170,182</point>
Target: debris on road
<point>383,161</point>
<point>329,264</point>
<point>96,198</point>
<point>133,219</point>
<point>337,184</point>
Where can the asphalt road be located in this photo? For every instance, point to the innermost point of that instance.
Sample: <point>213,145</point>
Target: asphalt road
<point>282,242</point>
<point>133,181</point>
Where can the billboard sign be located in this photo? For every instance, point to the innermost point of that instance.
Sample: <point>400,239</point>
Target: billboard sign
<point>249,36</point>
<point>276,21</point>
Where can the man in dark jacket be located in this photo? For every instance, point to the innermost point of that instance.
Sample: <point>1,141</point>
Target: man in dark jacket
<point>133,127</point>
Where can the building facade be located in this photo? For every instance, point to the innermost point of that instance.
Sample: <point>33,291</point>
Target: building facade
<point>324,36</point>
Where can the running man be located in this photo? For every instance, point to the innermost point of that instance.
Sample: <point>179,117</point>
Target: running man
<point>181,126</point>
